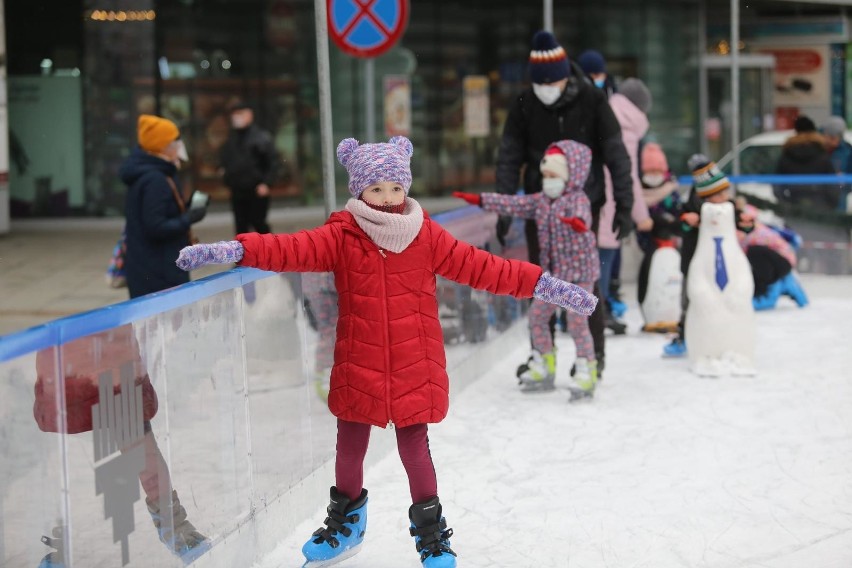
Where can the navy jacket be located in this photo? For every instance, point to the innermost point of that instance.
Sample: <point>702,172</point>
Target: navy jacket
<point>155,227</point>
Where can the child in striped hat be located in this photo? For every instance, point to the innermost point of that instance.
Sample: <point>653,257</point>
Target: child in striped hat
<point>709,184</point>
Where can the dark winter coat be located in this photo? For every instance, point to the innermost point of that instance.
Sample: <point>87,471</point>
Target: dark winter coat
<point>249,159</point>
<point>156,228</point>
<point>389,360</point>
<point>806,154</point>
<point>581,114</point>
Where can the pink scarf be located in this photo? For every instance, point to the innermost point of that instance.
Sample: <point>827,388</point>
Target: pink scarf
<point>391,231</point>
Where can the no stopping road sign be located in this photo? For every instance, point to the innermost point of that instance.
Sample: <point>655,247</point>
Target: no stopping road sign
<point>366,28</point>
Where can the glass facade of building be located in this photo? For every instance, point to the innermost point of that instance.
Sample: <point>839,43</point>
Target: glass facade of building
<point>81,71</point>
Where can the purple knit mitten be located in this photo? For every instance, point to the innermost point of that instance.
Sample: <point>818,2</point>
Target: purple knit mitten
<point>196,256</point>
<point>555,291</point>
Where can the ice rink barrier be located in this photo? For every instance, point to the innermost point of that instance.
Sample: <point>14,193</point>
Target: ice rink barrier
<point>187,426</point>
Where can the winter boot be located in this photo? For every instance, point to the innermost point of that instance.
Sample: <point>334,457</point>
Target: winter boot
<point>791,286</point>
<point>177,533</point>
<point>585,379</point>
<point>677,348</point>
<point>769,299</point>
<point>343,533</point>
<point>431,535</point>
<point>612,323</point>
<point>538,373</point>
<point>55,559</point>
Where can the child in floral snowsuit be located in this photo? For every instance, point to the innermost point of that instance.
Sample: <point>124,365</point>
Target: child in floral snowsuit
<point>563,215</point>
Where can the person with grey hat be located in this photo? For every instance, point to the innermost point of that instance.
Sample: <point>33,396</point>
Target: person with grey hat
<point>833,130</point>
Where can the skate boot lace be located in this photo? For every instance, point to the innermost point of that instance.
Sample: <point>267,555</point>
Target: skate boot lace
<point>335,523</point>
<point>433,539</point>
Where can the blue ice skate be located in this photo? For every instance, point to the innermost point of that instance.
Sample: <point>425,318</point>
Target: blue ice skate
<point>616,307</point>
<point>176,532</point>
<point>343,533</point>
<point>677,348</point>
<point>431,535</point>
<point>56,558</point>
<point>768,300</point>
<point>791,286</point>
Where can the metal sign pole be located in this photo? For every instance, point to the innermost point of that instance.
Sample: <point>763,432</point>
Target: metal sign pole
<point>370,99</point>
<point>324,81</point>
<point>735,83</point>
<point>548,15</point>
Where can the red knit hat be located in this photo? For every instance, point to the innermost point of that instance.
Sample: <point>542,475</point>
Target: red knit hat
<point>554,161</point>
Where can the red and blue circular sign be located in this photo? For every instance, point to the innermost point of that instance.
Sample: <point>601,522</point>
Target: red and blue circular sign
<point>366,28</point>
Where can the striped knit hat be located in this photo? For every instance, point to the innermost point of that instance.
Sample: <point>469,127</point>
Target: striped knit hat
<point>548,60</point>
<point>707,176</point>
<point>371,163</point>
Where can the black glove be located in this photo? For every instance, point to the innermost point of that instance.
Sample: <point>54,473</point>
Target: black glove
<point>195,215</point>
<point>504,222</point>
<point>622,223</point>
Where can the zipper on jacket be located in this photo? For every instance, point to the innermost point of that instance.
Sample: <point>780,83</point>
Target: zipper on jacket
<point>561,124</point>
<point>387,341</point>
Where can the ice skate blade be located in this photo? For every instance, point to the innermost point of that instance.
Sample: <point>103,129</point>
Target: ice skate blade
<point>579,395</point>
<point>332,561</point>
<point>530,387</point>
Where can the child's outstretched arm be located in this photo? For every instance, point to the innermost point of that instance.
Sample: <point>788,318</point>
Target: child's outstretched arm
<point>464,263</point>
<point>522,206</point>
<point>305,251</point>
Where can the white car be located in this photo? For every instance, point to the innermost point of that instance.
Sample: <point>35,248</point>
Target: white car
<point>759,155</point>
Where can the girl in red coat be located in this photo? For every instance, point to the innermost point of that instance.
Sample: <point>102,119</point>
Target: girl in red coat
<point>389,362</point>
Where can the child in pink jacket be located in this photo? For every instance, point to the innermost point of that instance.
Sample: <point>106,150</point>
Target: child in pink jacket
<point>389,361</point>
<point>563,217</point>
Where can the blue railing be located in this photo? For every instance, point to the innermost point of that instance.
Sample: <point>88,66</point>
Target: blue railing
<point>79,325</point>
<point>782,179</point>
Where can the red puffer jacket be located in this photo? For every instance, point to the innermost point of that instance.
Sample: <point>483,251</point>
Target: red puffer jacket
<point>389,360</point>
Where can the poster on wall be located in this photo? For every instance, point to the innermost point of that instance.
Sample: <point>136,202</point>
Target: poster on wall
<point>397,97</point>
<point>477,107</point>
<point>46,173</point>
<point>802,82</point>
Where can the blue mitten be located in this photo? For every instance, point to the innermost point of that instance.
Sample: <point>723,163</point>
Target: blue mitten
<point>196,256</point>
<point>555,291</point>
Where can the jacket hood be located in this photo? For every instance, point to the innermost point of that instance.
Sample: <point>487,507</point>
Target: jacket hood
<point>579,158</point>
<point>805,147</point>
<point>629,116</point>
<point>139,162</point>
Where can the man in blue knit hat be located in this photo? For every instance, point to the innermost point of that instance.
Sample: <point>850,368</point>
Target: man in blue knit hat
<point>561,104</point>
<point>593,64</point>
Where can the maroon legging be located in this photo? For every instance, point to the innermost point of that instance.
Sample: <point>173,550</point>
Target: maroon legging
<point>413,445</point>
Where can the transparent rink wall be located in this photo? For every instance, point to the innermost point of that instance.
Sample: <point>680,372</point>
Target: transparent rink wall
<point>186,426</point>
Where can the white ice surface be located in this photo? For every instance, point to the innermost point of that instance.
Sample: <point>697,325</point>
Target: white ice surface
<point>663,469</point>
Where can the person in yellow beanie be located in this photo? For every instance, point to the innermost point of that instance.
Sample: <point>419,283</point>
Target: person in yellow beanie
<point>158,218</point>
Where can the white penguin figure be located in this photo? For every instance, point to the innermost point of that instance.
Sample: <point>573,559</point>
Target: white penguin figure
<point>662,305</point>
<point>720,326</point>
